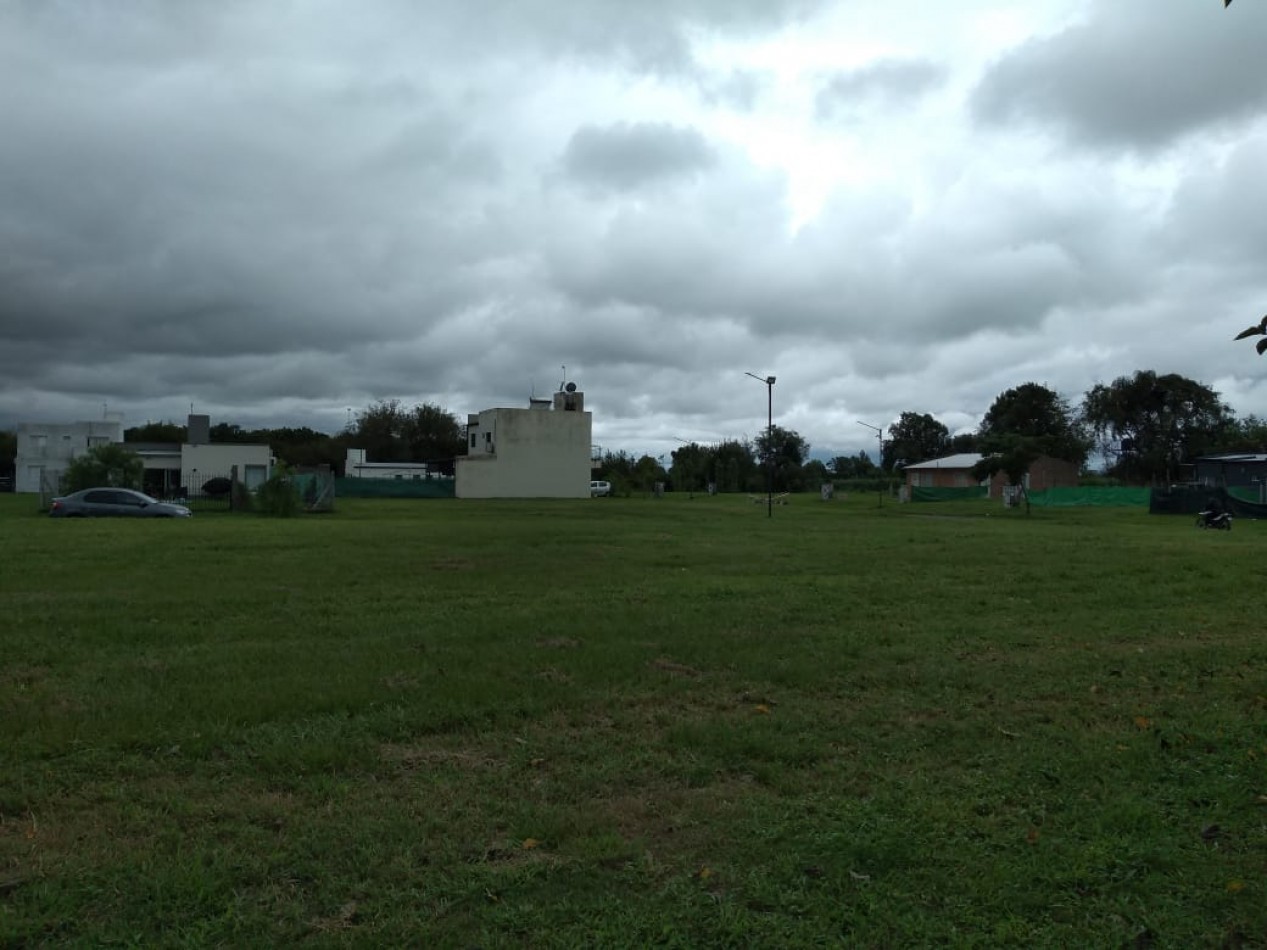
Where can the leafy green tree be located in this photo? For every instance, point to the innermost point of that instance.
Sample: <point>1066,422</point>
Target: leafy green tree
<point>278,497</point>
<point>433,435</point>
<point>1149,424</point>
<point>646,472</point>
<point>692,467</point>
<point>1244,435</point>
<point>915,437</point>
<point>229,432</point>
<point>110,465</point>
<point>964,442</point>
<point>853,466</point>
<point>735,467</point>
<point>301,446</point>
<point>1038,414</point>
<point>155,432</point>
<point>1012,454</point>
<point>380,430</point>
<point>814,473</point>
<point>784,451</point>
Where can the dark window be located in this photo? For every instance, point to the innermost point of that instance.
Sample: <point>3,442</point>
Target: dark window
<point>100,498</point>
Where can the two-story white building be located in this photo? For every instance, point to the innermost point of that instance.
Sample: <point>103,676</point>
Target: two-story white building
<point>45,450</point>
<point>539,452</point>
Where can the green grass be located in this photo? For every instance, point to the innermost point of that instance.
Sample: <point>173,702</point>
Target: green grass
<point>625,722</point>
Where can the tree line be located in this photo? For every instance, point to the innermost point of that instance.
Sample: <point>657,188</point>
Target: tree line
<point>1143,427</point>
<point>387,430</point>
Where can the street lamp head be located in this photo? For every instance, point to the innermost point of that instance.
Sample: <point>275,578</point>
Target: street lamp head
<point>769,380</point>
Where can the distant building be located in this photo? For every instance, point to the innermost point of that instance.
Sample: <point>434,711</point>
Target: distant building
<point>357,467</point>
<point>955,471</point>
<point>45,450</point>
<point>539,452</point>
<point>1232,470</point>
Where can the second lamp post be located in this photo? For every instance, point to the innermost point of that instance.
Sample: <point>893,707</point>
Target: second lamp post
<point>769,438</point>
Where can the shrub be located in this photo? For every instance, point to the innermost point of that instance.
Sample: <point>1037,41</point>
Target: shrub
<point>278,497</point>
<point>105,465</point>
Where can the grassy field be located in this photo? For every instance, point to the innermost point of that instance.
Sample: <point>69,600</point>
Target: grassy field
<point>626,722</point>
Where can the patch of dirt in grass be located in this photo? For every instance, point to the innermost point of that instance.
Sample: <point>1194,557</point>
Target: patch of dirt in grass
<point>558,643</point>
<point>416,756</point>
<point>506,855</point>
<point>669,666</point>
<point>399,681</point>
<point>553,675</point>
<point>673,822</point>
<point>22,676</point>
<point>347,917</point>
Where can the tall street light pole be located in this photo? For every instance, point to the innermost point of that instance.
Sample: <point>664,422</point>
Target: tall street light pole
<point>769,431</point>
<point>879,435</point>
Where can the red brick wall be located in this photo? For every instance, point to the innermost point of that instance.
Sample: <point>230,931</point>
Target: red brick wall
<point>1045,473</point>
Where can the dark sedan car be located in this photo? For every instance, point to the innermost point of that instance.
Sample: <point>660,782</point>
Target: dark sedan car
<point>114,503</point>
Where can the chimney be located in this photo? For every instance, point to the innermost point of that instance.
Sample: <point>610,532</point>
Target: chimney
<point>199,431</point>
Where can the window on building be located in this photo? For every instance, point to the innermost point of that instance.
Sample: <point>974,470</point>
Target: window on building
<point>254,475</point>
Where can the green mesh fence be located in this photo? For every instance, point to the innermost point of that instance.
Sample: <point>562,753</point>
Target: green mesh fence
<point>1051,498</point>
<point>394,488</point>
<point>1188,501</point>
<point>1089,497</point>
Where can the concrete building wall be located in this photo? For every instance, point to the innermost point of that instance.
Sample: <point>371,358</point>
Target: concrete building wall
<point>45,450</point>
<point>201,462</point>
<point>527,453</point>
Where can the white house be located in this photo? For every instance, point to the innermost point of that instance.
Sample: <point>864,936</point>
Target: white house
<point>539,452</point>
<point>357,467</point>
<point>45,450</point>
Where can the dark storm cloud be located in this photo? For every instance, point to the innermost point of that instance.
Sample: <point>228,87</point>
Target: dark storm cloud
<point>625,156</point>
<point>1137,73</point>
<point>886,83</point>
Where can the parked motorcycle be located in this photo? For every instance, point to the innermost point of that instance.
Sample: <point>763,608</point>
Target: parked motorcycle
<point>1218,520</point>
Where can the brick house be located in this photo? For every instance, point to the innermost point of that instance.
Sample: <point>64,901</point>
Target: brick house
<point>955,471</point>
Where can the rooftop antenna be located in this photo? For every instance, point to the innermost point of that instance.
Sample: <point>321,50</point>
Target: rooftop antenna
<point>565,378</point>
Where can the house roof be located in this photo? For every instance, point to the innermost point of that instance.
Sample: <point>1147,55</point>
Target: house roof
<point>962,460</point>
<point>1241,457</point>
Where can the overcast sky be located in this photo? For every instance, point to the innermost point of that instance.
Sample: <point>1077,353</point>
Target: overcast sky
<point>277,211</point>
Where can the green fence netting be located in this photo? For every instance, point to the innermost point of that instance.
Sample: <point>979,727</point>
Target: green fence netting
<point>1089,497</point>
<point>1051,498</point>
<point>394,487</point>
<point>1188,501</point>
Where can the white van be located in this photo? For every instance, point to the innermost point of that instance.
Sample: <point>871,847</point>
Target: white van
<point>600,489</point>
